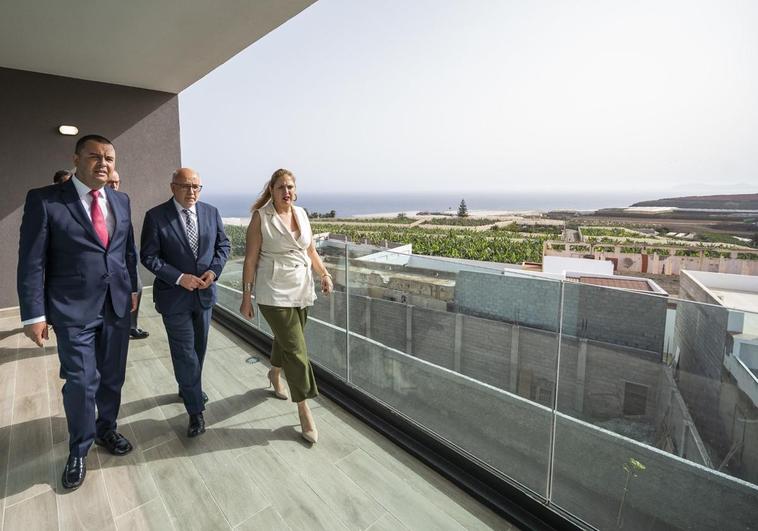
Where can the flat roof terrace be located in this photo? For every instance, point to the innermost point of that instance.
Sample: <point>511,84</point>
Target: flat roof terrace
<point>250,470</point>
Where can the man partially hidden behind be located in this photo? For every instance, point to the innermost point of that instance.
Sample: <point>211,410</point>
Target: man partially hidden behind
<point>77,271</point>
<point>61,176</point>
<point>135,332</point>
<point>185,246</point>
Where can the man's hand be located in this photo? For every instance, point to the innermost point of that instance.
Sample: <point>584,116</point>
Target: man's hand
<point>134,302</point>
<point>207,278</point>
<point>37,332</point>
<point>191,282</point>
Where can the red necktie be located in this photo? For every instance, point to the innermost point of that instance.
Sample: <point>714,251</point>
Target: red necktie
<point>98,220</point>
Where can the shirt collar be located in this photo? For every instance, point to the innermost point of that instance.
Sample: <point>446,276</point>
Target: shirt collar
<point>82,189</point>
<point>180,208</point>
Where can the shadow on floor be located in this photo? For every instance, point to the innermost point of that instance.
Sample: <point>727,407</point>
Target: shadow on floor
<point>31,468</point>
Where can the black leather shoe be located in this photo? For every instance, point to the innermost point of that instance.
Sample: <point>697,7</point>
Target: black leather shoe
<point>196,425</point>
<point>115,443</point>
<point>138,333</point>
<point>74,472</point>
<point>205,397</point>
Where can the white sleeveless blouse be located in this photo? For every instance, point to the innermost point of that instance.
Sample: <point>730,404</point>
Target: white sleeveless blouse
<point>284,276</point>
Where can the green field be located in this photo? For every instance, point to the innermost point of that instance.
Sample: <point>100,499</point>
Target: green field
<point>487,246</point>
<point>455,243</point>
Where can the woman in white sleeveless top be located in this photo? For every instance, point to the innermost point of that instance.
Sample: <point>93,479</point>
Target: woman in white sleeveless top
<point>279,256</point>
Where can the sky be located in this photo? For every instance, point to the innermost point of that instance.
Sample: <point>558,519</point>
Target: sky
<point>417,96</point>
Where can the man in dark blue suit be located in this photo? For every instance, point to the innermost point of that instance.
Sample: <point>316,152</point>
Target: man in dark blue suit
<point>184,244</point>
<point>77,271</point>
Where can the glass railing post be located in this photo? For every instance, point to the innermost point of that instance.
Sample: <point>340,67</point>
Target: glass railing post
<point>551,450</point>
<point>347,311</point>
<point>257,316</point>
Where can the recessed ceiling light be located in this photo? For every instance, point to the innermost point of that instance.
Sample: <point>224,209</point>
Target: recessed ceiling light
<point>68,130</point>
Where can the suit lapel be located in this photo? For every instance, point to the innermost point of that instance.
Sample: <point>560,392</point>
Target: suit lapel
<point>74,205</point>
<point>201,230</point>
<point>114,208</point>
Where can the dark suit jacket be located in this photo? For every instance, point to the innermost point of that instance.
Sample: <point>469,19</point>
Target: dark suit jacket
<point>64,272</point>
<point>166,252</point>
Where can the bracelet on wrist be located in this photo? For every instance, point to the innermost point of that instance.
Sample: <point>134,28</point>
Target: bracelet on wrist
<point>327,274</point>
<point>247,287</point>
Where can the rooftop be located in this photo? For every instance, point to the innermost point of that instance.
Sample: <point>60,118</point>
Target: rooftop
<point>250,470</point>
<point>611,282</point>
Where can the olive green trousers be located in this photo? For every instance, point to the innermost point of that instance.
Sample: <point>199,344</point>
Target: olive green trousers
<point>289,350</point>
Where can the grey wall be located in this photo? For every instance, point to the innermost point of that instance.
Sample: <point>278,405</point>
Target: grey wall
<point>702,336</point>
<point>143,125</point>
<point>515,358</point>
<point>528,301</point>
<point>616,316</point>
<point>723,413</point>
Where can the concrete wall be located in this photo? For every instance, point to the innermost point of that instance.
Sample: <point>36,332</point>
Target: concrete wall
<point>615,316</point>
<point>702,336</point>
<point>515,358</point>
<point>531,302</point>
<point>665,265</point>
<point>143,125</point>
<point>610,315</point>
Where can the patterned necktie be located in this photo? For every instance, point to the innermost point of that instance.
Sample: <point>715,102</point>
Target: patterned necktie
<point>191,230</point>
<point>98,220</point>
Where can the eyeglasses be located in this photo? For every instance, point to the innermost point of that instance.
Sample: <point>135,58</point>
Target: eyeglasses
<point>188,187</point>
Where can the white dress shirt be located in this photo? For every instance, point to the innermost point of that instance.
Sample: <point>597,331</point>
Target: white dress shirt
<point>83,190</point>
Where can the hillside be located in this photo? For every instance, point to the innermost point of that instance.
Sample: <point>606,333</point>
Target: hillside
<point>730,202</point>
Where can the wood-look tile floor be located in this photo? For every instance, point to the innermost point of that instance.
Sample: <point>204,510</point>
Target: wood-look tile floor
<point>250,470</point>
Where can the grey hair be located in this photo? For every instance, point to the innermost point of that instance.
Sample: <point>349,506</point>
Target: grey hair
<point>176,172</point>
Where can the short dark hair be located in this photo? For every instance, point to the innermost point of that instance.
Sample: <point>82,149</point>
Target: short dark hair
<point>60,175</point>
<point>86,138</point>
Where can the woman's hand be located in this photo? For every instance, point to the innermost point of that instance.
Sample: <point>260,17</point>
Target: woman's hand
<point>246,308</point>
<point>326,285</point>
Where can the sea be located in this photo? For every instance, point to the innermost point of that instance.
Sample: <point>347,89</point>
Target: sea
<point>365,204</point>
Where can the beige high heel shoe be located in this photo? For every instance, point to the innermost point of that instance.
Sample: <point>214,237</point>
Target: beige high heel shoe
<point>278,394</point>
<point>309,435</point>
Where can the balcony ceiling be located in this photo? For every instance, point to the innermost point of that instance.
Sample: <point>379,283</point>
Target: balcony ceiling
<point>159,44</point>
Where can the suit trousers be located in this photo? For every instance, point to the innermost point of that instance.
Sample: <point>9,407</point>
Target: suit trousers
<point>289,350</point>
<point>188,340</point>
<point>93,364</point>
